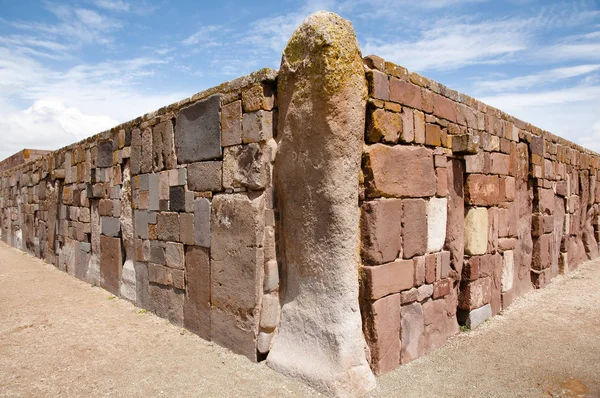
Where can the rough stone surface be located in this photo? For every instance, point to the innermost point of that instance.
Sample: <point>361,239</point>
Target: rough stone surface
<point>437,216</point>
<point>382,280</point>
<point>231,124</point>
<point>413,329</point>
<point>476,231</point>
<point>167,302</point>
<point>477,316</point>
<point>196,304</point>
<point>205,176</point>
<point>508,270</point>
<point>414,222</point>
<point>198,131</point>
<point>399,171</point>
<point>244,166</point>
<point>110,263</point>
<point>381,230</point>
<point>321,96</point>
<point>202,222</point>
<point>237,258</point>
<point>383,331</point>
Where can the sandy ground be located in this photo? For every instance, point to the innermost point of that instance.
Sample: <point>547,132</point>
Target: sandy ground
<point>61,337</point>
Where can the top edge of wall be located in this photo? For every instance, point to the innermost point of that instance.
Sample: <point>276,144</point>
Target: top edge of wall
<point>402,73</point>
<point>230,89</point>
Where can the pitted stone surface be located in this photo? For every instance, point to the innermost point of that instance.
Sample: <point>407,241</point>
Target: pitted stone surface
<point>198,131</point>
<point>322,100</point>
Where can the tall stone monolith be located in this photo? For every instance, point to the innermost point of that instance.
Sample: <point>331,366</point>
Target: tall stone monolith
<point>322,97</point>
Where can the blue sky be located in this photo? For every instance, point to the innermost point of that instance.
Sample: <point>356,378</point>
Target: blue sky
<point>69,69</point>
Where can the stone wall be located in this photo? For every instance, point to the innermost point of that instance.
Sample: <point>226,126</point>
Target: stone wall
<point>458,207</point>
<point>172,211</point>
<point>464,208</point>
<point>21,157</point>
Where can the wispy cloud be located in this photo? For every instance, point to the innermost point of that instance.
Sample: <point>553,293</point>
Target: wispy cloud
<point>546,77</point>
<point>113,5</point>
<point>204,37</point>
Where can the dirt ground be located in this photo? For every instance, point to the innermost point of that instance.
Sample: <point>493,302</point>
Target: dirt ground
<point>61,337</point>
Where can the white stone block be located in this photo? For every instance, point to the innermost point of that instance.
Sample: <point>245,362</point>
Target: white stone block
<point>437,215</point>
<point>508,270</point>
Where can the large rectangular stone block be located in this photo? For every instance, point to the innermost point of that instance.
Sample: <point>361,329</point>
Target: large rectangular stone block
<point>399,171</point>
<point>110,263</point>
<point>476,231</point>
<point>196,306</point>
<point>163,155</point>
<point>381,280</point>
<point>381,230</point>
<point>437,216</point>
<point>198,131</point>
<point>414,222</point>
<point>382,328</point>
<point>167,302</point>
<point>205,176</point>
<point>413,329</point>
<point>482,190</point>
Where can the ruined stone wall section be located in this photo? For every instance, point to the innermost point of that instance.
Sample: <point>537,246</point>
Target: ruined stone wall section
<point>464,208</point>
<point>173,211</point>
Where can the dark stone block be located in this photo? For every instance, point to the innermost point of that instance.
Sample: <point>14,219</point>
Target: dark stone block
<point>177,198</point>
<point>198,131</point>
<point>105,154</point>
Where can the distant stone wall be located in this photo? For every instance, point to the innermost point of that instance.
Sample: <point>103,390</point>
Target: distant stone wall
<point>21,157</point>
<point>188,212</point>
<point>172,211</point>
<point>464,208</point>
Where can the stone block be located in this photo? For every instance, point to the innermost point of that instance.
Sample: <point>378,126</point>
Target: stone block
<point>202,222</point>
<point>231,124</point>
<point>438,324</point>
<point>378,84</point>
<point>264,342</point>
<point>381,280</point>
<point>399,171</point>
<point>196,306</point>
<point>271,281</point>
<point>111,226</point>
<point>167,226</point>
<point>409,296</point>
<point>136,151</point>
<point>482,190</point>
<point>228,331</point>
<point>407,133</point>
<point>441,288</point>
<point>142,219</point>
<point>269,312</point>
<point>436,224</point>
<point>167,302</point>
<point>419,119</point>
<point>258,96</point>
<point>444,108</point>
<point>381,230</point>
<point>157,252</point>
<point>382,328</point>
<point>198,131</point>
<point>104,157</point>
<point>420,270</point>
<point>205,176</point>
<point>111,262</point>
<point>542,247</point>
<point>424,292</point>
<point>165,276</point>
<point>476,231</point>
<point>244,166</point>
<point>499,163</point>
<point>433,135</point>
<point>163,154</point>
<point>237,231</point>
<point>186,228</point>
<point>257,126</point>
<point>414,223</point>
<point>475,294</point>
<point>174,255</point>
<point>413,332</point>
<point>383,126</point>
<point>476,317</point>
<point>177,199</point>
<point>406,93</point>
<point>154,195</point>
<point>508,270</point>
<point>146,152</point>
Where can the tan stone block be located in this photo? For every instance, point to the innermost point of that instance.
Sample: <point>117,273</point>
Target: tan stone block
<point>476,231</point>
<point>383,126</point>
<point>433,135</point>
<point>259,96</point>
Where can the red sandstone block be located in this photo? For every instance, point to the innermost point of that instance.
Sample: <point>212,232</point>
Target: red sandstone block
<point>442,181</point>
<point>483,190</point>
<point>475,294</point>
<point>441,288</point>
<point>420,270</point>
<point>378,84</point>
<point>430,268</point>
<point>470,271</point>
<point>382,280</point>
<point>541,252</point>
<point>406,93</point>
<point>444,108</point>
<point>414,222</point>
<point>382,329</point>
<point>381,230</point>
<point>399,171</point>
<point>499,163</point>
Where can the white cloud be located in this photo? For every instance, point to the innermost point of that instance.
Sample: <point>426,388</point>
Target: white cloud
<point>113,5</point>
<point>547,77</point>
<point>453,44</point>
<point>204,37</point>
<point>47,124</point>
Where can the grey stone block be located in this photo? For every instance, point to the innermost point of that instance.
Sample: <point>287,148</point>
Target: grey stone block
<point>141,224</point>
<point>244,166</point>
<point>198,131</point>
<point>475,317</point>
<point>105,154</point>
<point>177,198</point>
<point>202,222</point>
<point>144,182</point>
<point>257,126</point>
<point>136,151</point>
<point>167,227</point>
<point>157,252</point>
<point>205,176</point>
<point>111,226</point>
